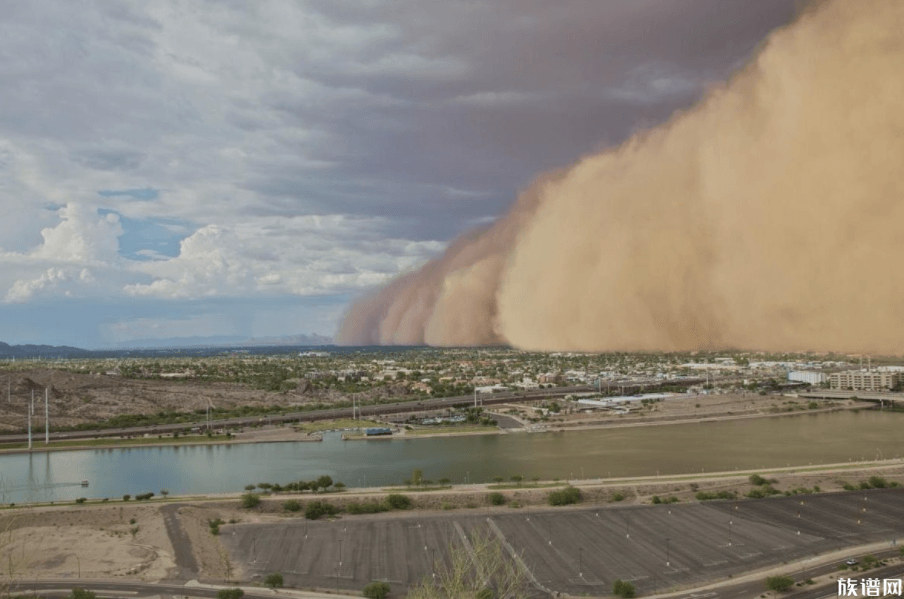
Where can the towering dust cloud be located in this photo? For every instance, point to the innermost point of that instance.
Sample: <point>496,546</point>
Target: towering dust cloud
<point>771,216</point>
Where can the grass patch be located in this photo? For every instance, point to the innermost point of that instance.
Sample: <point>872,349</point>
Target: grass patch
<point>325,425</point>
<point>503,486</point>
<point>441,429</point>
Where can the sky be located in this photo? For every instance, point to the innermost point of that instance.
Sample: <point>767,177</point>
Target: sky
<point>195,168</point>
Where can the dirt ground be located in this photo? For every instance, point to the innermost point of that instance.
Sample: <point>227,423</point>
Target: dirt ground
<point>85,398</point>
<point>94,542</point>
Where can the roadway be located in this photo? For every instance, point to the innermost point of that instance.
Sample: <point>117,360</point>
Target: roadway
<point>425,405</point>
<point>107,588</point>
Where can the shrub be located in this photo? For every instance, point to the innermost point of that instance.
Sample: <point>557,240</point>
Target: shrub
<point>291,506</point>
<point>376,590</point>
<point>618,497</point>
<point>756,479</point>
<point>848,487</point>
<point>620,588</point>
<point>566,496</point>
<point>315,509</point>
<point>250,500</point>
<point>485,593</point>
<point>656,500</point>
<point>397,501</point>
<point>496,498</point>
<point>81,594</point>
<point>704,496</point>
<point>126,497</point>
<point>274,581</point>
<point>877,482</point>
<point>81,500</point>
<point>779,584</point>
<point>366,507</point>
<point>230,594</point>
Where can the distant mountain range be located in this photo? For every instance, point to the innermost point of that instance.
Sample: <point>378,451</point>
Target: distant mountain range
<point>226,341</point>
<point>23,351</point>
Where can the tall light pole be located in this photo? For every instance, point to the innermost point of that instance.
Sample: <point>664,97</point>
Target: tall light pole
<point>668,556</point>
<point>580,562</point>
<point>30,408</point>
<point>729,532</point>
<point>46,418</point>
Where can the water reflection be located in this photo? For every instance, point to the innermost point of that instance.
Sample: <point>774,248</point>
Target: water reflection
<point>596,454</point>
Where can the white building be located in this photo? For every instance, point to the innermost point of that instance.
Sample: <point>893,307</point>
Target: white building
<point>803,376</point>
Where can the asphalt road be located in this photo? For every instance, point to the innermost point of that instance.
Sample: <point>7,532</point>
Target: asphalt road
<point>330,414</point>
<point>578,551</point>
<point>106,588</point>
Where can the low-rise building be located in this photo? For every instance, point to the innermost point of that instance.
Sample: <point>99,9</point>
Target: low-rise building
<point>867,380</point>
<point>803,376</point>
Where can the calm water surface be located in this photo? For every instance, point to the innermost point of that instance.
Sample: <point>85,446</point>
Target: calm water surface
<point>676,449</point>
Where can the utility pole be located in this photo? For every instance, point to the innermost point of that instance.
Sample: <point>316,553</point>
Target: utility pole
<point>30,409</point>
<point>46,416</point>
<point>9,390</point>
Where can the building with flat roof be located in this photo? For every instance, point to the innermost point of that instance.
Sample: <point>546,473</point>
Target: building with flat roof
<point>804,376</point>
<point>867,380</point>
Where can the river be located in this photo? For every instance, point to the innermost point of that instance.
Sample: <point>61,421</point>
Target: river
<point>638,451</point>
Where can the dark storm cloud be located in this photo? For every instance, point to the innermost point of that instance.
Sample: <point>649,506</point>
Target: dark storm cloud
<point>514,88</point>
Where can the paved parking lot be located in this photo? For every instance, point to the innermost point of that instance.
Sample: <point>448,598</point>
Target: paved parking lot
<point>576,551</point>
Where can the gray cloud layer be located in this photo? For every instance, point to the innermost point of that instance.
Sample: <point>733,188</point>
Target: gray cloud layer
<point>311,147</point>
<point>766,217</point>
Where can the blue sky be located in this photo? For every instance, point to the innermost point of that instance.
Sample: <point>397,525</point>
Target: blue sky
<point>194,168</point>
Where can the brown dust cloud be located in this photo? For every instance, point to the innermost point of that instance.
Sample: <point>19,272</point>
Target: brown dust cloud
<point>770,216</point>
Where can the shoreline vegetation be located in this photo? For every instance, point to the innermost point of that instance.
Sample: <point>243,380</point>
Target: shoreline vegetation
<point>731,485</point>
<point>354,430</point>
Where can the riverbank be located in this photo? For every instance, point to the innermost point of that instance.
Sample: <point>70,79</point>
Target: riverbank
<point>151,540</point>
<point>271,435</point>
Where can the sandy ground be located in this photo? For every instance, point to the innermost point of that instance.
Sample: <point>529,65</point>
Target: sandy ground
<point>96,542</point>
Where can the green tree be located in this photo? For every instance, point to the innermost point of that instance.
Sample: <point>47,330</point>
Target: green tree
<point>416,476</point>
<point>620,588</point>
<point>376,590</point>
<point>325,482</point>
<point>779,584</point>
<point>496,498</point>
<point>250,500</point>
<point>398,501</point>
<point>274,580</point>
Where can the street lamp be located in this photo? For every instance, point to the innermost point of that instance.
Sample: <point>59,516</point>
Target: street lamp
<point>668,556</point>
<point>581,562</point>
<point>729,533</point>
<point>627,527</point>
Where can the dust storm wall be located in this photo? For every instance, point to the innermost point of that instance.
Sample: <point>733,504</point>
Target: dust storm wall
<point>769,216</point>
